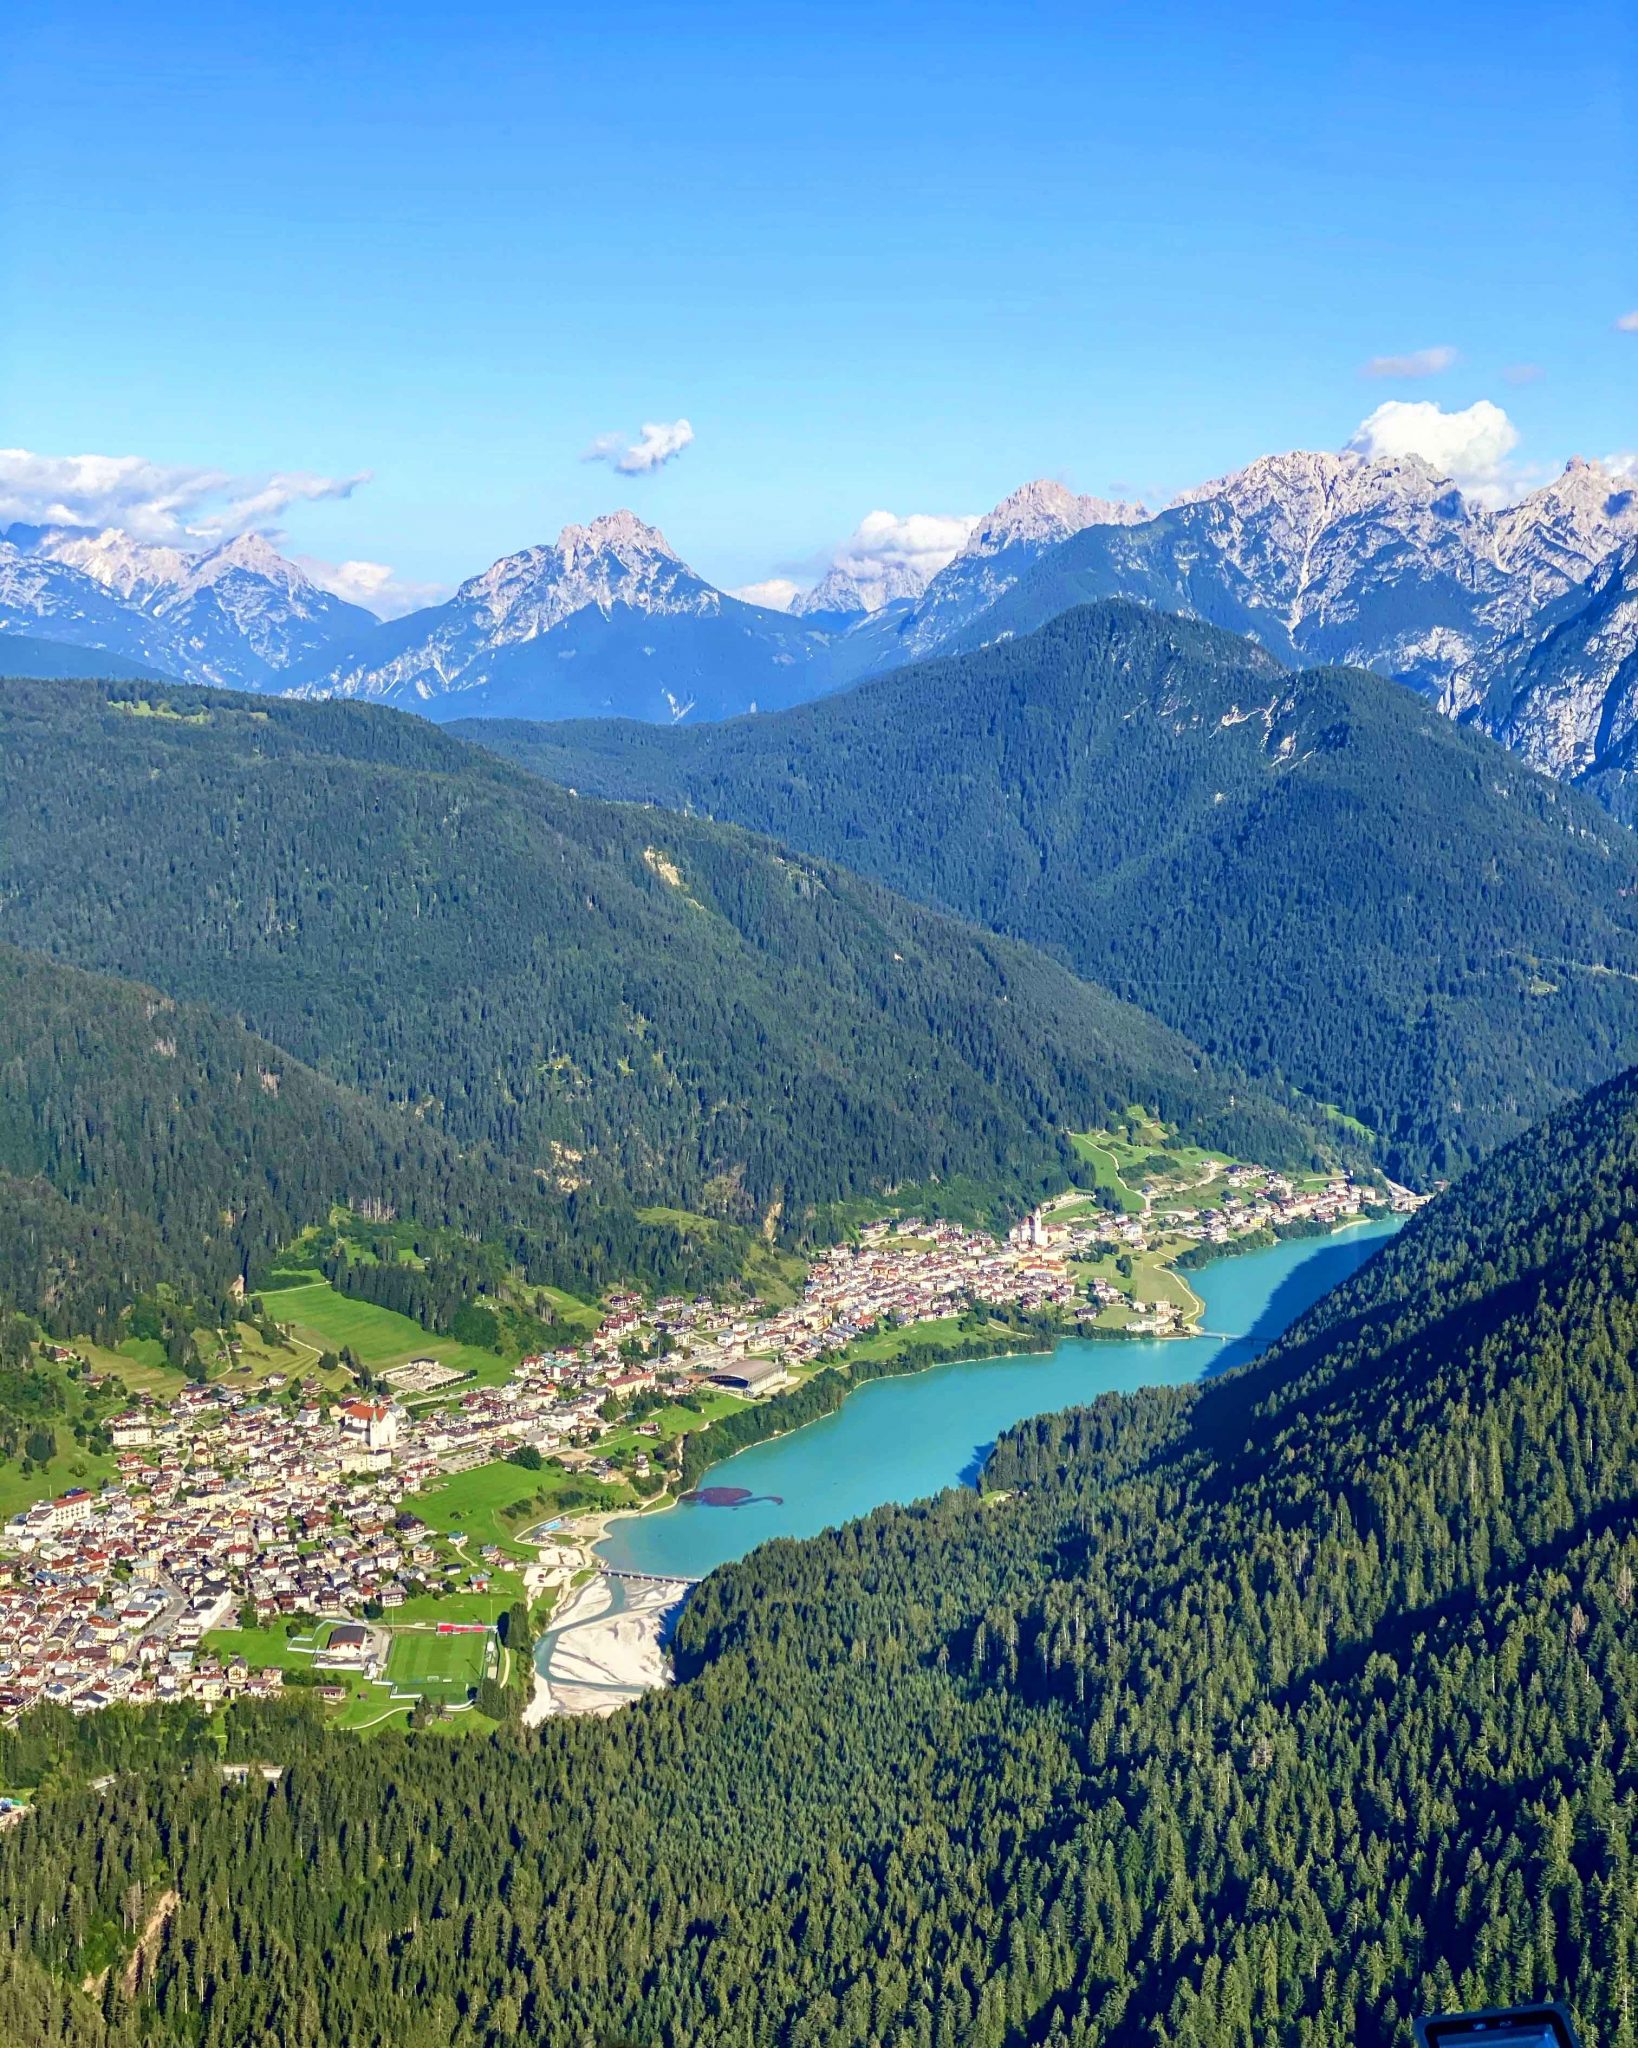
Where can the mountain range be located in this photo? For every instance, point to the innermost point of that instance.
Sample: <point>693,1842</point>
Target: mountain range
<point>1313,874</point>
<point>237,614</point>
<point>1563,689</point>
<point>1369,561</point>
<point>607,618</point>
<point>1374,562</point>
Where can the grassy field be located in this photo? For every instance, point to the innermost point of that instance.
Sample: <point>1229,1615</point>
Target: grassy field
<point>261,1647</point>
<point>1208,1195</point>
<point>494,1503</point>
<point>378,1337</point>
<point>567,1308</point>
<point>138,1361</point>
<point>505,1588</point>
<point>80,1406</point>
<point>1139,1158</point>
<point>368,1710</point>
<point>673,1421</point>
<point>1151,1280</point>
<point>71,1467</point>
<point>1105,1165</point>
<point>257,1360</point>
<point>886,1342</point>
<point>438,1667</point>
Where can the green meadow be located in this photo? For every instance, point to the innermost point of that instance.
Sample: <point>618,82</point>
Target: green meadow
<point>317,1316</point>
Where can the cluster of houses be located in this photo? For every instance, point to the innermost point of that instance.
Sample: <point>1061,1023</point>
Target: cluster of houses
<point>281,1502</point>
<point>916,1273</point>
<point>222,1503</point>
<point>1256,1200</point>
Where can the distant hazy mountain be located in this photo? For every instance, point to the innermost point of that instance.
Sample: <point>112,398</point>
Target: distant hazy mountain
<point>606,619</point>
<point>844,590</point>
<point>1337,558</point>
<point>21,654</point>
<point>1564,689</point>
<point>237,614</point>
<point>1314,874</point>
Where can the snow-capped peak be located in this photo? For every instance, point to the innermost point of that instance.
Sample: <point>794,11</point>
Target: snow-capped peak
<point>247,554</point>
<point>615,559</point>
<point>132,569</point>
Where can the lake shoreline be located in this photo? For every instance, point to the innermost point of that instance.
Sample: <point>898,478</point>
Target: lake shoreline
<point>587,1534</point>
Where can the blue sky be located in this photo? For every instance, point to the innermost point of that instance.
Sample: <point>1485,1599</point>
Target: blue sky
<point>876,257</point>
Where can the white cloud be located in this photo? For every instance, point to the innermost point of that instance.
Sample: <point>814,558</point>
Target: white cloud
<point>921,542</point>
<point>1470,447</point>
<point>1524,373</point>
<point>373,585</point>
<point>659,442</point>
<point>1628,322</point>
<point>1421,362</point>
<point>154,501</point>
<point>777,593</point>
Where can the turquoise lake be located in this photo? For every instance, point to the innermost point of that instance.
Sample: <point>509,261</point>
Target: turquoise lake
<point>902,1439</point>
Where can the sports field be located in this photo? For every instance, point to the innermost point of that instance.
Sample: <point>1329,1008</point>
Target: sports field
<point>439,1667</point>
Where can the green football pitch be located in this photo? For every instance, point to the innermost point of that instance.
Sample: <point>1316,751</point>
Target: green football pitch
<point>438,1667</point>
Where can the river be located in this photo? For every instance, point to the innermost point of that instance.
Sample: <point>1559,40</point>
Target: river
<point>902,1439</point>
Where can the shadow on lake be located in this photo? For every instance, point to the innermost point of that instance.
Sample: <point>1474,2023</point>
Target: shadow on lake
<point>1324,1269</point>
<point>973,1470</point>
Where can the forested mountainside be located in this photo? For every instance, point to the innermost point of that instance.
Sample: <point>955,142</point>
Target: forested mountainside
<point>147,1142</point>
<point>21,654</point>
<point>1273,1708</point>
<point>1313,875</point>
<point>594,990</point>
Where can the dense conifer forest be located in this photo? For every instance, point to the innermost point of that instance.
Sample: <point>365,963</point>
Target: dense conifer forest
<point>1265,1710</point>
<point>147,1142</point>
<point>1315,876</point>
<point>605,994</point>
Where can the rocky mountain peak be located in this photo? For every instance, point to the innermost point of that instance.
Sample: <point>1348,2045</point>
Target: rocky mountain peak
<point>1043,512</point>
<point>130,568</point>
<point>619,533</point>
<point>246,554</point>
<point>1556,535</point>
<point>616,559</point>
<point>1316,486</point>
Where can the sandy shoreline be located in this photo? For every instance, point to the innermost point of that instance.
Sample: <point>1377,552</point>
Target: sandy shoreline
<point>606,1646</point>
<point>606,1633</point>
